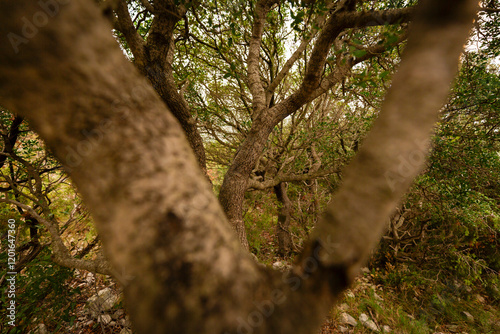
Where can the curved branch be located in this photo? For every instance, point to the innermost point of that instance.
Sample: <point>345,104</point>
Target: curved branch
<point>334,26</point>
<point>10,139</point>
<point>489,10</point>
<point>60,252</point>
<point>254,184</point>
<point>149,7</point>
<point>319,22</point>
<point>125,25</point>
<point>254,79</point>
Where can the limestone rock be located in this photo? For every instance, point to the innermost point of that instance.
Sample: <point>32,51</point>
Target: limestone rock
<point>103,301</point>
<point>346,318</point>
<point>470,317</point>
<point>104,319</point>
<point>368,323</point>
<point>40,329</point>
<point>343,307</point>
<point>343,329</point>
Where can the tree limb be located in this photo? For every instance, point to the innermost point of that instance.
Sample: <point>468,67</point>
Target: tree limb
<point>149,7</point>
<point>254,184</point>
<point>256,88</point>
<point>489,10</point>
<point>126,27</point>
<point>60,251</point>
<point>10,139</point>
<point>335,25</point>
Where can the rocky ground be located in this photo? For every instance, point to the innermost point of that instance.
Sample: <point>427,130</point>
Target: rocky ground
<point>366,308</point>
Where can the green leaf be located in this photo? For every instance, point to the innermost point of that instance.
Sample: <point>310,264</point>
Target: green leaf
<point>383,74</point>
<point>391,39</point>
<point>358,53</point>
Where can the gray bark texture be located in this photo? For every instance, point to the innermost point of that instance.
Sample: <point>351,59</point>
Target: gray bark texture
<point>164,232</point>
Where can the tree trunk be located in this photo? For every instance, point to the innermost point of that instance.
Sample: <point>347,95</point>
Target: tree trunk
<point>235,184</point>
<point>154,59</point>
<point>284,217</point>
<point>182,269</point>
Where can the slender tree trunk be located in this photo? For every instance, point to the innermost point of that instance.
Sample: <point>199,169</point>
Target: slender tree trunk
<point>284,218</point>
<point>235,184</point>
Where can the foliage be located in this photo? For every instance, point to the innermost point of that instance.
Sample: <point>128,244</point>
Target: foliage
<point>444,245</point>
<point>42,295</point>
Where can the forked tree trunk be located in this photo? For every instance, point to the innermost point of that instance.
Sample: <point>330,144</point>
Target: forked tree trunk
<point>182,269</point>
<point>235,184</point>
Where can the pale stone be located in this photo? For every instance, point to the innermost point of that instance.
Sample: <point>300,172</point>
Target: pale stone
<point>343,329</point>
<point>41,329</point>
<point>480,299</point>
<point>346,318</point>
<point>343,307</point>
<point>104,319</point>
<point>469,316</point>
<point>102,302</point>
<point>365,320</point>
<point>118,313</point>
<point>377,297</point>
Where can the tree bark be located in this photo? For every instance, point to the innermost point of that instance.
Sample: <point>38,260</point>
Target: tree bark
<point>182,269</point>
<point>284,218</point>
<point>153,58</point>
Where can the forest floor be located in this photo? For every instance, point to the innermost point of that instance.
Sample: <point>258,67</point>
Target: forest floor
<point>367,307</point>
<point>398,299</point>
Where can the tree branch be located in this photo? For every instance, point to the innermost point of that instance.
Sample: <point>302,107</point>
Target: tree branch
<point>254,184</point>
<point>126,27</point>
<point>149,7</point>
<point>319,21</point>
<point>489,10</point>
<point>61,253</point>
<point>10,139</point>
<point>334,26</point>
<point>255,84</point>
